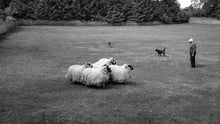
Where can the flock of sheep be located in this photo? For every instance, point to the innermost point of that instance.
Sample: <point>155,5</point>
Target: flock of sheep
<point>100,73</point>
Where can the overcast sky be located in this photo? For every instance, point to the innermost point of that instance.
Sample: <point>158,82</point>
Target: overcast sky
<point>184,3</point>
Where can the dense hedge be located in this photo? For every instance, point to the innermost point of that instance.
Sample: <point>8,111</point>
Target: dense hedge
<point>7,24</point>
<point>111,11</point>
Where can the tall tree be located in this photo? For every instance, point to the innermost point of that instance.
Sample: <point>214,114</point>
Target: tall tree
<point>198,3</point>
<point>24,8</point>
<point>212,8</point>
<point>4,3</point>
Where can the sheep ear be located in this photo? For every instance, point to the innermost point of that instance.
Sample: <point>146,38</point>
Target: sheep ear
<point>88,64</point>
<point>113,61</point>
<point>131,67</point>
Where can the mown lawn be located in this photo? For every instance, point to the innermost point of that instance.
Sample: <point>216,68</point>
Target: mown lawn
<point>163,90</point>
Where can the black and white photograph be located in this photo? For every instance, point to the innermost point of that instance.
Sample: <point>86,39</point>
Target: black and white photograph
<point>109,61</point>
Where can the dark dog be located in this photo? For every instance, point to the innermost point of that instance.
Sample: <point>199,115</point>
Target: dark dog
<point>110,44</point>
<point>161,52</point>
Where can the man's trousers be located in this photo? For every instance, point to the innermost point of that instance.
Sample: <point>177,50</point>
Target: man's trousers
<point>193,61</point>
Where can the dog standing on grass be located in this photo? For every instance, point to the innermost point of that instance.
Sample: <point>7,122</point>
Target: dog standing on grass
<point>161,52</point>
<point>109,44</point>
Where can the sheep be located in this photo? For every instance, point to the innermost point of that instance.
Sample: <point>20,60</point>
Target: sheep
<point>74,72</point>
<point>96,76</point>
<point>120,74</point>
<point>103,61</point>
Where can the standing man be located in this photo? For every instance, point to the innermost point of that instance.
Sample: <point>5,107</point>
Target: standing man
<point>192,52</point>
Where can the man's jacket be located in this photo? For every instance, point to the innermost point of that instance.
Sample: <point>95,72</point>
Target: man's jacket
<point>192,49</point>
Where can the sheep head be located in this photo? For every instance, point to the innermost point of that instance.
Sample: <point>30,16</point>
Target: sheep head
<point>130,67</point>
<point>107,69</point>
<point>88,65</point>
<point>112,61</point>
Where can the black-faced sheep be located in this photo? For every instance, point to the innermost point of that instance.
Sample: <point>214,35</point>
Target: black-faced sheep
<point>74,72</point>
<point>104,61</point>
<point>96,76</point>
<point>120,74</point>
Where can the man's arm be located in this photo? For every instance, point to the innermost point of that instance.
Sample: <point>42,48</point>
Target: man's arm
<point>193,49</point>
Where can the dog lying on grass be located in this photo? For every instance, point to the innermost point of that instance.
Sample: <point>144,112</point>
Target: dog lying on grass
<point>161,52</point>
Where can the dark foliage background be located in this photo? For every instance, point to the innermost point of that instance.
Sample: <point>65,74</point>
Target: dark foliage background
<point>111,11</point>
<point>210,8</point>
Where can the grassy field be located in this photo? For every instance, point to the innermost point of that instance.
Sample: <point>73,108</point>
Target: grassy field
<point>163,90</point>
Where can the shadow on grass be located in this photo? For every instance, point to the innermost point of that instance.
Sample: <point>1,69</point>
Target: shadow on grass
<point>166,56</point>
<point>124,83</point>
<point>109,85</point>
<point>11,31</point>
<point>200,65</point>
<point>120,85</point>
<point>162,55</point>
<point>83,85</point>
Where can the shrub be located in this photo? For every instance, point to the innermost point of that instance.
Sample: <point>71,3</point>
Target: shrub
<point>218,17</point>
<point>24,8</point>
<point>4,4</point>
<point>166,19</point>
<point>181,17</point>
<point>2,15</point>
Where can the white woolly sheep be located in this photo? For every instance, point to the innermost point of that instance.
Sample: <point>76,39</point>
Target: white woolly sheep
<point>74,72</point>
<point>96,76</point>
<point>103,61</point>
<point>120,74</point>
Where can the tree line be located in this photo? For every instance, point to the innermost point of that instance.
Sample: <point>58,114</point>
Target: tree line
<point>111,11</point>
<point>204,8</point>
